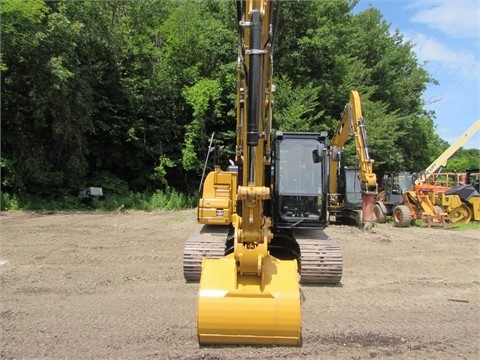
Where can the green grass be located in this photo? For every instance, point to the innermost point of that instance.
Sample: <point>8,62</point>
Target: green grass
<point>472,225</point>
<point>178,219</point>
<point>159,200</point>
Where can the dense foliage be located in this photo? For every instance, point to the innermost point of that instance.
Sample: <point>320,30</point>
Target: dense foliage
<point>125,94</point>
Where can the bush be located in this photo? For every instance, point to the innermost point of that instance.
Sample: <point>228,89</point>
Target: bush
<point>9,202</point>
<point>159,200</point>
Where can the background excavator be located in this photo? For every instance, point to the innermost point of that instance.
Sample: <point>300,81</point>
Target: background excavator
<point>261,219</point>
<point>352,189</point>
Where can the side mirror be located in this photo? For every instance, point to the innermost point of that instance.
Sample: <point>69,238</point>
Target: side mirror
<point>318,154</point>
<point>336,154</point>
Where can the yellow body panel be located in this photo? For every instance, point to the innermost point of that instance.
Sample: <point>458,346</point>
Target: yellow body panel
<point>216,205</point>
<point>449,202</point>
<point>475,204</point>
<point>249,309</point>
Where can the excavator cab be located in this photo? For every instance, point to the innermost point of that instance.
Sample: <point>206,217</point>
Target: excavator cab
<point>396,184</point>
<point>350,187</point>
<point>300,171</point>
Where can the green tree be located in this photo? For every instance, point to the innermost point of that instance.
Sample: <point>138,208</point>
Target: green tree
<point>337,51</point>
<point>296,108</point>
<point>201,97</point>
<point>125,94</point>
<point>463,159</point>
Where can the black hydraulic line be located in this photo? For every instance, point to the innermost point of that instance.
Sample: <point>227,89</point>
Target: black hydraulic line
<point>364,137</point>
<point>206,161</point>
<point>254,79</point>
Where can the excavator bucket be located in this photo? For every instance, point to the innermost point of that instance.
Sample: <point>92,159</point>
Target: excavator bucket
<point>249,309</point>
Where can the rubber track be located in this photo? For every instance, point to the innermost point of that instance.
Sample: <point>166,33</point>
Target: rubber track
<point>320,263</point>
<point>207,241</point>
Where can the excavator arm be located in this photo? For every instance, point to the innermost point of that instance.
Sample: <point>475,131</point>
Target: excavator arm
<point>249,296</point>
<point>254,87</point>
<point>352,123</point>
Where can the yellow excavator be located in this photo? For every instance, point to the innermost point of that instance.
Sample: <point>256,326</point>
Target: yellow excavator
<point>261,220</point>
<point>352,189</point>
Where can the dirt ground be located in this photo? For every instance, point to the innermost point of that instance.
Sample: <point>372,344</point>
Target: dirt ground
<point>98,286</point>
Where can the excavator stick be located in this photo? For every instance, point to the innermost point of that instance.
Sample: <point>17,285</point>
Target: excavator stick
<point>249,309</point>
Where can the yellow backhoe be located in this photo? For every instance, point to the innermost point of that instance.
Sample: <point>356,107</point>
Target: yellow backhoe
<point>261,220</point>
